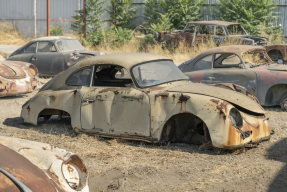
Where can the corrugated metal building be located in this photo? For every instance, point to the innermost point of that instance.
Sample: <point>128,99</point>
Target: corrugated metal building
<point>21,13</point>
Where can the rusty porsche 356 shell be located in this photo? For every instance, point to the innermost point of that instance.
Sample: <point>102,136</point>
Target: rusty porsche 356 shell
<point>40,167</point>
<point>17,78</point>
<point>197,32</point>
<point>146,97</point>
<point>244,65</point>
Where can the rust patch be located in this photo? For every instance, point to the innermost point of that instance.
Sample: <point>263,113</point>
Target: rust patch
<point>183,98</point>
<point>163,95</point>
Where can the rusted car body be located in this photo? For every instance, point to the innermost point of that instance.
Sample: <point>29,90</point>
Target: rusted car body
<point>247,66</point>
<point>198,32</point>
<point>277,52</point>
<point>52,55</point>
<point>17,78</point>
<point>39,167</point>
<point>2,56</point>
<point>146,97</point>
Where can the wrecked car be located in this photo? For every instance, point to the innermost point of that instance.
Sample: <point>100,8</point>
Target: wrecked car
<point>32,166</point>
<point>145,97</point>
<point>278,53</point>
<point>244,65</point>
<point>17,78</point>
<point>52,55</point>
<point>197,32</point>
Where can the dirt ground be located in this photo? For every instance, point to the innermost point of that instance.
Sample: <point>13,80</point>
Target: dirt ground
<point>118,165</point>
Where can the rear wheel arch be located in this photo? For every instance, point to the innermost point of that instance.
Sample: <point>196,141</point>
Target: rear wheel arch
<point>185,128</point>
<point>275,54</point>
<point>48,112</point>
<point>275,94</point>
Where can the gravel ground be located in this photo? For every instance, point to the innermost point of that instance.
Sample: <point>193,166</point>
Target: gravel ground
<point>117,165</point>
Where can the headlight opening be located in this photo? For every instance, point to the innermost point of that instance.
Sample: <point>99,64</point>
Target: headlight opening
<point>236,118</point>
<point>75,173</point>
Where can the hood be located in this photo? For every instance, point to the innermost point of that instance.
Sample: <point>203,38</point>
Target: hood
<point>271,67</point>
<point>86,52</point>
<point>257,40</point>
<point>24,171</point>
<point>11,71</point>
<point>230,96</point>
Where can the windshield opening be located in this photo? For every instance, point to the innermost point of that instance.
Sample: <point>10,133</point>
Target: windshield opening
<point>156,73</point>
<point>69,45</point>
<point>236,30</point>
<point>255,57</point>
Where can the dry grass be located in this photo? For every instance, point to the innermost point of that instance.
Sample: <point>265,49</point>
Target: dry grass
<point>9,35</point>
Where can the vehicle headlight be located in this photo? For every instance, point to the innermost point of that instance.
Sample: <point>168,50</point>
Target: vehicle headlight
<point>236,118</point>
<point>75,173</point>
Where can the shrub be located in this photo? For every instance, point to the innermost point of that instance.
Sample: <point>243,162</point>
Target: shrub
<point>250,13</point>
<point>57,31</point>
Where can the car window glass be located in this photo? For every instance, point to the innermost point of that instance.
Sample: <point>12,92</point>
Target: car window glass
<point>31,48</point>
<point>111,76</point>
<point>81,77</point>
<point>227,60</point>
<point>220,31</point>
<point>46,47</point>
<point>204,63</point>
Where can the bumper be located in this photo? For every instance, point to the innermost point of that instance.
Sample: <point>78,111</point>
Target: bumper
<point>254,130</point>
<point>10,87</point>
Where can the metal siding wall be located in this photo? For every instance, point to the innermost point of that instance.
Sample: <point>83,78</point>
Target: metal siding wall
<point>20,13</point>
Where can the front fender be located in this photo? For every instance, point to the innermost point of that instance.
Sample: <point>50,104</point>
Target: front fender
<point>212,111</point>
<point>52,160</point>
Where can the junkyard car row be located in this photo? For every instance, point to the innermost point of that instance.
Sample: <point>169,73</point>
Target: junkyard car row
<point>215,98</point>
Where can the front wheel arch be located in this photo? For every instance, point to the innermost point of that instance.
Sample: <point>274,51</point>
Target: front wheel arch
<point>185,128</point>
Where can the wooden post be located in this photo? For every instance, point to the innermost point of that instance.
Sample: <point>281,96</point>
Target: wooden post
<point>48,17</point>
<point>84,20</point>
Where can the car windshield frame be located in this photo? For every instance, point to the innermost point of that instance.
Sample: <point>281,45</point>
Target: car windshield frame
<point>152,61</point>
<point>72,49</point>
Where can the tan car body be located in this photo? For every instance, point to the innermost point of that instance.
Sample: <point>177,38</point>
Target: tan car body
<point>149,114</point>
<point>17,78</point>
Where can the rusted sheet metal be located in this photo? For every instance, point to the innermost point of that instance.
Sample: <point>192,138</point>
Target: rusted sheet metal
<point>175,111</point>
<point>65,169</point>
<point>237,88</point>
<point>17,78</point>
<point>266,81</point>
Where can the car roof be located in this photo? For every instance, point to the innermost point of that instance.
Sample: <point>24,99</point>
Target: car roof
<point>238,49</point>
<point>126,60</point>
<point>213,22</point>
<point>52,38</point>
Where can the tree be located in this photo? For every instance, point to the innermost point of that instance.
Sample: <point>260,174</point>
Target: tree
<point>94,12</point>
<point>122,12</point>
<point>182,11</point>
<point>151,12</point>
<point>250,13</point>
